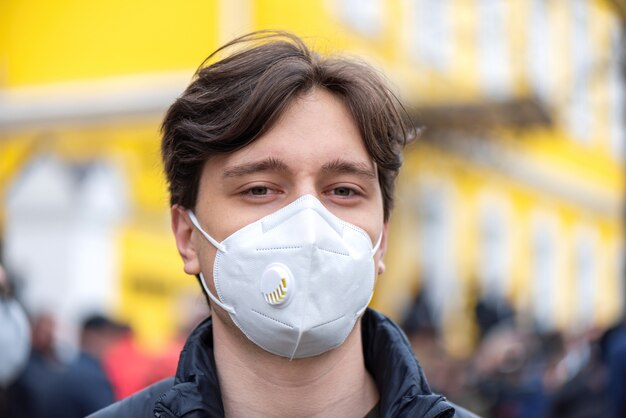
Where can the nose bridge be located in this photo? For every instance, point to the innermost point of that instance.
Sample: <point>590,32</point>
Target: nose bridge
<point>319,217</point>
<point>307,216</point>
<point>306,185</point>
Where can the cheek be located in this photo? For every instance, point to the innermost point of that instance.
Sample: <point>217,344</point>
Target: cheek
<point>231,219</point>
<point>206,258</point>
<point>373,225</point>
<point>369,217</point>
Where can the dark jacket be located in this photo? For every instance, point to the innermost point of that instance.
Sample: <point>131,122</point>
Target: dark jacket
<point>29,395</point>
<point>81,389</point>
<point>195,391</point>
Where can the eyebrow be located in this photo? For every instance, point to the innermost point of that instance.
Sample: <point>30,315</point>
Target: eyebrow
<point>268,164</point>
<point>340,166</point>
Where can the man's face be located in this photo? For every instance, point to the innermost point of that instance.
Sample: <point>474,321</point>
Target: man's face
<point>314,148</point>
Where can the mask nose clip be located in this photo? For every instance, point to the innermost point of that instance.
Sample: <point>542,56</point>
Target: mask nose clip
<point>277,285</point>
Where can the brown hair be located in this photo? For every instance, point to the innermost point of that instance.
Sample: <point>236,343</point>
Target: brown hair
<point>233,101</point>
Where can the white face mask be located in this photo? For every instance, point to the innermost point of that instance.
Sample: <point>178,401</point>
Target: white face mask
<point>296,281</point>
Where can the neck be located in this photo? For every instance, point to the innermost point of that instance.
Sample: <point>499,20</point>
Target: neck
<point>256,383</point>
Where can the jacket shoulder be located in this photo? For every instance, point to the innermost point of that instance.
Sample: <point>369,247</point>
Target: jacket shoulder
<point>141,404</point>
<point>460,412</point>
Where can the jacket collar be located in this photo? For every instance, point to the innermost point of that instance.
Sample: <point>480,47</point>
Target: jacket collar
<point>388,357</point>
<point>402,386</point>
<point>196,390</point>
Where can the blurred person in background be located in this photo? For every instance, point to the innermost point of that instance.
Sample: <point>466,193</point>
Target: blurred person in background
<point>445,373</point>
<point>281,165</point>
<point>519,373</point>
<point>28,396</point>
<point>491,312</point>
<point>130,367</point>
<point>14,340</point>
<point>613,345</point>
<point>83,387</point>
<point>580,380</point>
<point>503,374</point>
<point>126,365</point>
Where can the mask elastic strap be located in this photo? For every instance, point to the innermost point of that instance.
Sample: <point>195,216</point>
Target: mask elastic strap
<point>227,308</point>
<point>380,239</point>
<point>213,241</point>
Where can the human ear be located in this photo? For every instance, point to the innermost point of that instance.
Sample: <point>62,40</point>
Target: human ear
<point>380,253</point>
<point>183,229</point>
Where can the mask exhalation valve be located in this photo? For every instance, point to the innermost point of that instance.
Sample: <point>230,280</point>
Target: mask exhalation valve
<point>277,285</point>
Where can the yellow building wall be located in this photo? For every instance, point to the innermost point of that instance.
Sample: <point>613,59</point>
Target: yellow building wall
<point>52,41</point>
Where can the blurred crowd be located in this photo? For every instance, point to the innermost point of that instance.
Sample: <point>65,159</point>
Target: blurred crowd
<point>521,371</point>
<point>515,371</point>
<point>38,379</point>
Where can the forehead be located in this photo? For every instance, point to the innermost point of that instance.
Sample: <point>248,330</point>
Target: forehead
<point>314,128</point>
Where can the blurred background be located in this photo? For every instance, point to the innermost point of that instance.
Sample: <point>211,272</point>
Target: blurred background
<point>506,259</point>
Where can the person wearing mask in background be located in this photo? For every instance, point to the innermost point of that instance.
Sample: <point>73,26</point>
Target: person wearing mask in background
<point>281,166</point>
<point>14,340</point>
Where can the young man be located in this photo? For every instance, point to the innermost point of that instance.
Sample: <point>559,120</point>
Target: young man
<point>281,166</point>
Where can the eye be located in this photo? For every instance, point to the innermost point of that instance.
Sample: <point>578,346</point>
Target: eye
<point>343,191</point>
<point>257,191</point>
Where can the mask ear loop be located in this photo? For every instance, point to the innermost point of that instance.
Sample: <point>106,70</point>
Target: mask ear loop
<point>227,308</point>
<point>374,249</point>
<point>380,239</point>
<point>221,248</point>
<point>212,240</point>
